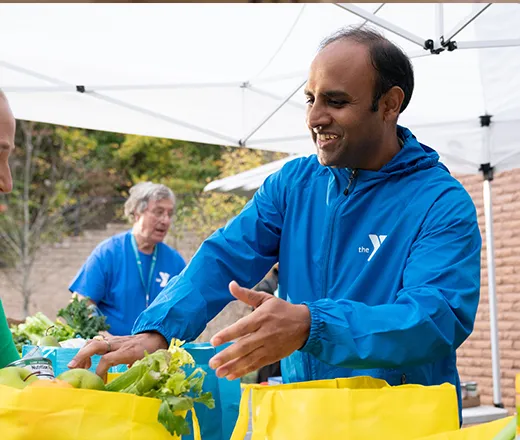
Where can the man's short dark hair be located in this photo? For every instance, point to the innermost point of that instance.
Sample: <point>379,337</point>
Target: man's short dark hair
<point>393,67</point>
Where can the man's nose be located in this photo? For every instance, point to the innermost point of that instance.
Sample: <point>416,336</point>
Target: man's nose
<point>317,116</point>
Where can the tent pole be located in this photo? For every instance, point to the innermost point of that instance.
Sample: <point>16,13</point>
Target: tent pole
<point>439,22</point>
<point>488,44</point>
<point>487,172</point>
<point>490,248</point>
<point>464,22</point>
<point>156,115</point>
<point>385,24</point>
<point>262,92</point>
<point>242,142</point>
<point>28,72</point>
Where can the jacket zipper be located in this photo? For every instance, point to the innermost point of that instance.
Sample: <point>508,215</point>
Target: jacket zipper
<point>351,178</point>
<point>353,175</point>
<point>332,217</point>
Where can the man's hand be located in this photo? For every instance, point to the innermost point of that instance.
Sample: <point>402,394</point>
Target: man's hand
<point>116,350</point>
<point>273,331</point>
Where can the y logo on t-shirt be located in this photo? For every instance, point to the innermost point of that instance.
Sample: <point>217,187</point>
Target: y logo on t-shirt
<point>164,279</point>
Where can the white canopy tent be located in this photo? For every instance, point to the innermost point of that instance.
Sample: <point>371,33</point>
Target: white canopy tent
<point>247,182</point>
<point>233,73</point>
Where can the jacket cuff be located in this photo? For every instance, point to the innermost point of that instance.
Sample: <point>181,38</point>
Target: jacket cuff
<point>313,344</point>
<point>143,328</point>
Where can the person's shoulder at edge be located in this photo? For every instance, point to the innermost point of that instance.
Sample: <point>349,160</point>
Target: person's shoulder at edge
<point>450,181</point>
<point>444,174</point>
<point>298,171</point>
<point>451,192</point>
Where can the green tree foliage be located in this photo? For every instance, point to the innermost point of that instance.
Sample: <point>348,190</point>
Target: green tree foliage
<point>61,181</point>
<point>212,210</point>
<point>185,167</point>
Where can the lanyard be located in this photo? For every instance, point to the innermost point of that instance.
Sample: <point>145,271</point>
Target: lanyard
<point>139,266</point>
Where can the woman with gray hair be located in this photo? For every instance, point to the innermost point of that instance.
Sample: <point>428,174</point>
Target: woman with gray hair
<point>126,272</point>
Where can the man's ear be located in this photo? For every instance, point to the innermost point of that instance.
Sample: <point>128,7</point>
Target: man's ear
<point>391,102</point>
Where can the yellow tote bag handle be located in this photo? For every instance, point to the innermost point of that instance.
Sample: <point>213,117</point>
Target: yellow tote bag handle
<point>264,415</point>
<point>196,427</point>
<point>265,412</point>
<point>240,430</point>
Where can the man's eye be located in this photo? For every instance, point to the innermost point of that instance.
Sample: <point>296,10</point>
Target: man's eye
<point>336,103</point>
<point>309,100</point>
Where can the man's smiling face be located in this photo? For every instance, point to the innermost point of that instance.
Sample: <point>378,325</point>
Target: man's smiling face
<point>340,90</point>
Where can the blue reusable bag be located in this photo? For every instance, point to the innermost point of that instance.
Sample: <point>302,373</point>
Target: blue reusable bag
<point>217,423</point>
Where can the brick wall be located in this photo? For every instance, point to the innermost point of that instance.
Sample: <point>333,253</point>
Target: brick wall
<point>53,271</point>
<point>474,357</point>
<point>58,265</point>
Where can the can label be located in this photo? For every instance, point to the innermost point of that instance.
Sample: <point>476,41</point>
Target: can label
<point>40,367</point>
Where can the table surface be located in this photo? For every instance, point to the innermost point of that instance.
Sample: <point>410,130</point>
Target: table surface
<point>482,414</point>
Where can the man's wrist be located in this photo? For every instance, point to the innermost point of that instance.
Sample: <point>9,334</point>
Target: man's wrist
<point>162,342</point>
<point>306,323</point>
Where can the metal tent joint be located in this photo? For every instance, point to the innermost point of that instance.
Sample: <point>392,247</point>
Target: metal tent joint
<point>487,171</point>
<point>80,89</point>
<point>449,45</point>
<point>485,120</point>
<point>430,45</point>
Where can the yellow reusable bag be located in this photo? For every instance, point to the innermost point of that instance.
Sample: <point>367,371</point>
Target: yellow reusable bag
<point>356,408</point>
<point>77,414</point>
<point>484,431</point>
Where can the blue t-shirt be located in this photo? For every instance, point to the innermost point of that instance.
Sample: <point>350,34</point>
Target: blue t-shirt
<point>111,279</point>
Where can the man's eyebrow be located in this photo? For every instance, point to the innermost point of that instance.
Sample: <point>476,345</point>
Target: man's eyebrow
<point>337,94</point>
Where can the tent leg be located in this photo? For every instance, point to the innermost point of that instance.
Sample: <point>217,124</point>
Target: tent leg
<point>490,248</point>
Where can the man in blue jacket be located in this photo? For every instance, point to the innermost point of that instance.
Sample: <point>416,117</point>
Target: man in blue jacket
<point>379,247</point>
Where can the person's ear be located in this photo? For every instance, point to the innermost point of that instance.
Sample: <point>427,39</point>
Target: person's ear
<point>391,103</point>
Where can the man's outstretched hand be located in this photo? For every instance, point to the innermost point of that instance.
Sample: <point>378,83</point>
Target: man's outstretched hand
<point>274,330</point>
<point>117,350</point>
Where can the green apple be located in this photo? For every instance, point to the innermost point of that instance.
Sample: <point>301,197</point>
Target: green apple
<point>81,378</point>
<point>48,341</point>
<point>16,377</point>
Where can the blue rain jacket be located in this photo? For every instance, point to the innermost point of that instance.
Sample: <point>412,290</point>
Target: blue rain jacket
<point>390,270</point>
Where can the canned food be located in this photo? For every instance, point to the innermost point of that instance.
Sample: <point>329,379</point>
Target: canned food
<point>38,366</point>
<point>472,389</point>
<point>463,391</point>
